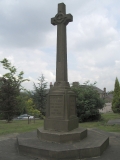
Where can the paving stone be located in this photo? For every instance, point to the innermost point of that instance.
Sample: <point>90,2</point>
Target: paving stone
<point>114,122</point>
<point>9,151</point>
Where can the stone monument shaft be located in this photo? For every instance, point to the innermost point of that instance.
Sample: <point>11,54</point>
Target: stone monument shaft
<point>61,100</point>
<point>61,19</point>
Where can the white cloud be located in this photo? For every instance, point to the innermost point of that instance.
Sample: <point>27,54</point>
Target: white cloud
<point>28,39</point>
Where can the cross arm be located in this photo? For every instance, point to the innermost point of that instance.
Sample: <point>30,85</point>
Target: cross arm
<point>61,18</point>
<point>69,18</point>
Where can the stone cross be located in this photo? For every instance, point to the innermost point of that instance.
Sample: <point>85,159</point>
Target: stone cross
<point>61,100</point>
<point>61,19</point>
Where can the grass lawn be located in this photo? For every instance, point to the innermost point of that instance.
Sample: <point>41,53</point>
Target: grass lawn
<point>19,126</point>
<point>102,125</point>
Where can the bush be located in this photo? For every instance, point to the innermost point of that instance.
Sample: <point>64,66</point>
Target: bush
<point>116,97</point>
<point>88,102</point>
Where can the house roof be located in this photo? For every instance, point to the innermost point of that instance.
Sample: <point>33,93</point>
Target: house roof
<point>96,88</point>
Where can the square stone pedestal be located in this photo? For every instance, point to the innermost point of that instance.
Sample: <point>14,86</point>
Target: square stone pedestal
<point>60,125</point>
<point>61,111</point>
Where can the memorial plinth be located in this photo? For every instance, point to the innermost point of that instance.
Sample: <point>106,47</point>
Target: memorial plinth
<point>61,138</point>
<point>61,112</point>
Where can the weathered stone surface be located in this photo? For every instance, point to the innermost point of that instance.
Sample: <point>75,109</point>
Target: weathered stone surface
<point>62,137</point>
<point>61,101</point>
<point>92,146</point>
<point>61,111</point>
<point>60,125</point>
<point>61,19</point>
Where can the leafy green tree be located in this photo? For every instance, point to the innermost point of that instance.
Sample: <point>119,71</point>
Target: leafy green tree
<point>30,108</point>
<point>116,97</point>
<point>8,100</point>
<point>88,102</point>
<point>39,94</point>
<point>22,99</point>
<point>26,105</point>
<point>10,87</point>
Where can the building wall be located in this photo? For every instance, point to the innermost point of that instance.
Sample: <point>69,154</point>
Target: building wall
<point>107,108</point>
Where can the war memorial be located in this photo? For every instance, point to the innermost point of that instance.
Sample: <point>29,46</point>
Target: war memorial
<point>61,138</point>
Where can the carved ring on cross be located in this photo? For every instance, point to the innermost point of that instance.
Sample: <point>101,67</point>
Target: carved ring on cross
<point>60,17</point>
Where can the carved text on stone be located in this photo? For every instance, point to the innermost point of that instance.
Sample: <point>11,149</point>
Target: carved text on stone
<point>56,106</point>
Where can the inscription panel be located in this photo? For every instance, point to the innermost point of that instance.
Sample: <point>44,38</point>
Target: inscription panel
<point>72,105</point>
<point>56,106</point>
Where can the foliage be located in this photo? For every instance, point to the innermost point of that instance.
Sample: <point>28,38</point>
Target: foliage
<point>26,105</point>
<point>39,95</point>
<point>10,87</point>
<point>16,79</point>
<point>116,97</point>
<point>22,99</point>
<point>88,102</point>
<point>110,92</point>
<point>8,100</point>
<point>102,124</point>
<point>30,108</point>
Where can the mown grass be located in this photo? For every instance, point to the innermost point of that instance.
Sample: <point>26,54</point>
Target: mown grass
<point>19,126</point>
<point>102,124</point>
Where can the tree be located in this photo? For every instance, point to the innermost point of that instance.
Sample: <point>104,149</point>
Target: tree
<point>116,97</point>
<point>22,99</point>
<point>10,87</point>
<point>88,102</point>
<point>26,105</point>
<point>8,101</point>
<point>30,108</point>
<point>39,94</point>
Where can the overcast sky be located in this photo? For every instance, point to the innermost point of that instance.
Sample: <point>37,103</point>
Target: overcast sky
<point>28,40</point>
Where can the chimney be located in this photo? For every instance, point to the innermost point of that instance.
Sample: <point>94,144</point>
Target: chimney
<point>104,90</point>
<point>51,85</point>
<point>75,84</point>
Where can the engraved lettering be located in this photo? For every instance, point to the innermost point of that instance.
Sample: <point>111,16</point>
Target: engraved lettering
<point>56,106</point>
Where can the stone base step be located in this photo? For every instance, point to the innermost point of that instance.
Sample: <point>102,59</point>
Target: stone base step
<point>62,137</point>
<point>92,146</point>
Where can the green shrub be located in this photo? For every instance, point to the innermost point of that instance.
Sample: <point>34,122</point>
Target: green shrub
<point>116,97</point>
<point>88,102</point>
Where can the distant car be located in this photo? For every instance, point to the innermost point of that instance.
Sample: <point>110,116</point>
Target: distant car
<point>25,116</point>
